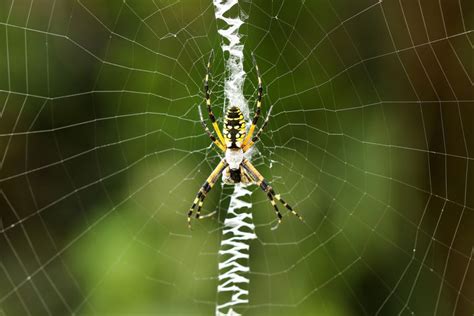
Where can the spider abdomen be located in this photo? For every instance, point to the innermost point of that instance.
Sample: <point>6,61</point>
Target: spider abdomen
<point>234,128</point>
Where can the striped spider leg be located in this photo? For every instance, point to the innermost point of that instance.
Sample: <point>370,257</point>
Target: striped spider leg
<point>267,188</point>
<point>217,142</point>
<point>255,138</point>
<point>205,188</point>
<point>212,117</point>
<point>258,106</point>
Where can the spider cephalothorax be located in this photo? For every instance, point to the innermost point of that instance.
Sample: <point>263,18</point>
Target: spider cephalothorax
<point>235,168</point>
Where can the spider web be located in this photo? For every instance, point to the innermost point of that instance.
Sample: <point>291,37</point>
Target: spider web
<point>102,153</point>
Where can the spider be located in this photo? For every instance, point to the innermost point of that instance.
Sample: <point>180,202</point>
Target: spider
<point>235,168</point>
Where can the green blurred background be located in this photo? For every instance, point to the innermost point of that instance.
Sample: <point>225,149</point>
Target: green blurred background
<point>371,138</point>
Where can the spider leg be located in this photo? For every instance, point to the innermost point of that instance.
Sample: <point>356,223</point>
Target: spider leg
<point>209,133</point>
<point>266,187</point>
<point>205,188</point>
<point>277,211</point>
<point>208,101</point>
<point>259,104</point>
<point>254,139</point>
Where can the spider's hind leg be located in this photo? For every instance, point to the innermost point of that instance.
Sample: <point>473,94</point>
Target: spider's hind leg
<point>267,188</point>
<point>205,188</point>
<point>271,194</point>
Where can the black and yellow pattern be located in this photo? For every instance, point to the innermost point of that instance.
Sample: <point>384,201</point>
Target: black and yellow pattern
<point>248,139</point>
<point>265,186</point>
<point>234,143</point>
<point>205,188</point>
<point>234,128</point>
<point>212,117</point>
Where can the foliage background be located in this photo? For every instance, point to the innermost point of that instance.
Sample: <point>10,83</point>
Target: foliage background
<point>102,152</point>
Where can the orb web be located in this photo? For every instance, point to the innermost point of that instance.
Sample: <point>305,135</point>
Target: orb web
<point>103,152</point>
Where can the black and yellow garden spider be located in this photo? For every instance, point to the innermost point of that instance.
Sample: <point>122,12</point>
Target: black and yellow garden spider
<point>235,168</point>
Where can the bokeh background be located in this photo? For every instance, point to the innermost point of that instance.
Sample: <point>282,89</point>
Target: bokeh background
<point>101,153</point>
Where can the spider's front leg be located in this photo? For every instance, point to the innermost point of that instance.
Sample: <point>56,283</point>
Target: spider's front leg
<point>246,146</point>
<point>209,133</point>
<point>250,139</point>
<point>258,107</point>
<point>212,117</point>
<point>205,188</point>
<point>271,194</point>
